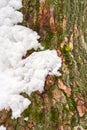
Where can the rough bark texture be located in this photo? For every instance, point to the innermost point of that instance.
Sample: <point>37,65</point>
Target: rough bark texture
<point>62,25</point>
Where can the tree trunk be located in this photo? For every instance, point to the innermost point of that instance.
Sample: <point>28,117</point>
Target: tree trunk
<point>62,25</point>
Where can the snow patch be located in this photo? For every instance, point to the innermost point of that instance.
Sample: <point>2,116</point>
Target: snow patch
<point>78,128</point>
<point>8,12</point>
<point>26,119</point>
<point>19,75</point>
<point>2,127</point>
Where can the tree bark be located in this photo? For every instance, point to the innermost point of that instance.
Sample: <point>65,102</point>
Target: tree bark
<point>62,25</point>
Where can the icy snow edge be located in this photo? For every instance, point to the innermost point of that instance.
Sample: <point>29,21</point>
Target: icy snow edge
<point>19,75</point>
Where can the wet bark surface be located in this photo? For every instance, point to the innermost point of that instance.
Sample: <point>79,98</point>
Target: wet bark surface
<point>62,25</point>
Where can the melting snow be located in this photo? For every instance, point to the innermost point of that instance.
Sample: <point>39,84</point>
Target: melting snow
<point>19,75</point>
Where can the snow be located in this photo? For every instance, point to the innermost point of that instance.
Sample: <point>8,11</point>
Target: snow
<point>19,75</point>
<point>78,127</point>
<point>8,13</point>
<point>2,127</point>
<point>26,119</point>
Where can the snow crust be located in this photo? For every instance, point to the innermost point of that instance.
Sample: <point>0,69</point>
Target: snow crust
<point>2,127</point>
<point>19,75</point>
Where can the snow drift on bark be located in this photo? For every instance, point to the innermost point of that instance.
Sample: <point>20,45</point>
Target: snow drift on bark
<point>19,75</point>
